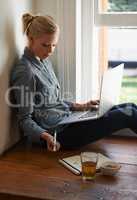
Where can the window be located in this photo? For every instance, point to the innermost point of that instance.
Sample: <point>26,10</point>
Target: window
<point>118,6</point>
<point>103,16</point>
<point>117,33</point>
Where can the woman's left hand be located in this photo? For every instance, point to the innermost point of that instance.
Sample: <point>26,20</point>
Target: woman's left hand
<point>93,104</point>
<point>90,105</point>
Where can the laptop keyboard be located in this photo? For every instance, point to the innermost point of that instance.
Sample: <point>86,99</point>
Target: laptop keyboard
<point>88,114</point>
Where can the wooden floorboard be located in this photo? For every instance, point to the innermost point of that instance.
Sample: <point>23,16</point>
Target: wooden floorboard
<point>33,173</point>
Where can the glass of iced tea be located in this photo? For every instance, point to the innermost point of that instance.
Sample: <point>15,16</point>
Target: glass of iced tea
<point>88,164</point>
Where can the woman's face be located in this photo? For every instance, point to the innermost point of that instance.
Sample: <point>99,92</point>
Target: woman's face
<point>44,45</point>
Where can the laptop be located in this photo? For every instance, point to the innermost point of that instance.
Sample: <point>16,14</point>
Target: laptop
<point>109,96</point>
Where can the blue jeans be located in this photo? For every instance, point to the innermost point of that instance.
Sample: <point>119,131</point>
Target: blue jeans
<point>82,133</point>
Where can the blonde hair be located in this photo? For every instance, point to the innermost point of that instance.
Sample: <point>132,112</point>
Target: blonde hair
<point>37,25</point>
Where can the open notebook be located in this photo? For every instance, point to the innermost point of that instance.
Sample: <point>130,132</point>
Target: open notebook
<point>73,163</point>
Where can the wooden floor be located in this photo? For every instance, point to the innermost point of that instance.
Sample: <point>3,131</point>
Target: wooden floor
<point>33,173</point>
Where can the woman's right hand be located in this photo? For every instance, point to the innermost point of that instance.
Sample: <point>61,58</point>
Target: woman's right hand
<point>50,141</point>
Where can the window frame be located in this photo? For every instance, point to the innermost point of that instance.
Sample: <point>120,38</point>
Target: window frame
<point>113,18</point>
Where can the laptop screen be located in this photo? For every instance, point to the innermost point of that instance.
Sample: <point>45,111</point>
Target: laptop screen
<point>110,89</point>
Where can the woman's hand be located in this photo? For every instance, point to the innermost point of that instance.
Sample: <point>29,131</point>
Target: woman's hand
<point>50,141</point>
<point>90,105</point>
<point>93,104</point>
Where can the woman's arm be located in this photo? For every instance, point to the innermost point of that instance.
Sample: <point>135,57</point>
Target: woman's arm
<point>50,141</point>
<point>23,87</point>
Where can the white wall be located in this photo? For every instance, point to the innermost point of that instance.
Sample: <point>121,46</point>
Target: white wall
<point>11,43</point>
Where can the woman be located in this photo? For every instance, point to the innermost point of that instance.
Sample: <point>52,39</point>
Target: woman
<point>38,99</point>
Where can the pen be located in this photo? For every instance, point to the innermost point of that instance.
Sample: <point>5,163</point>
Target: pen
<point>54,141</point>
